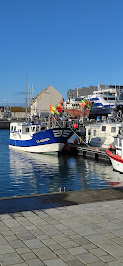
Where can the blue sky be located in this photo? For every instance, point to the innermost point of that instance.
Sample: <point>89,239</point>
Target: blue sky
<point>63,43</point>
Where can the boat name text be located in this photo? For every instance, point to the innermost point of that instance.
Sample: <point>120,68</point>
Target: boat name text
<point>42,140</point>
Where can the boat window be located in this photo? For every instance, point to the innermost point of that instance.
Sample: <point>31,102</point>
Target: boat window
<point>20,130</point>
<point>37,128</point>
<point>27,129</point>
<point>14,128</point>
<point>33,129</point>
<point>94,132</point>
<point>103,128</point>
<point>89,132</point>
<point>119,142</point>
<point>113,129</point>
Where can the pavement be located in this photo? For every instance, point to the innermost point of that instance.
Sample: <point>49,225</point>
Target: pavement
<point>80,234</point>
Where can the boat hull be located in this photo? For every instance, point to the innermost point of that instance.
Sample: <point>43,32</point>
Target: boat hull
<point>47,141</point>
<point>79,113</point>
<point>48,148</point>
<point>103,111</point>
<point>116,160</point>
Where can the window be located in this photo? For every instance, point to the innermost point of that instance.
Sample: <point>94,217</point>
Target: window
<point>89,132</point>
<point>37,128</point>
<point>14,128</point>
<point>94,132</point>
<point>103,128</point>
<point>113,129</point>
<point>27,129</point>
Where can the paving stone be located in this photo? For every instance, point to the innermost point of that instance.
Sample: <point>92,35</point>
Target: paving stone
<point>69,232</point>
<point>17,244</point>
<point>55,247</point>
<point>28,214</point>
<point>95,238</point>
<point>26,236</point>
<point>3,241</point>
<point>118,240</point>
<point>69,244</point>
<point>10,259</point>
<point>20,264</point>
<point>35,262</point>
<point>49,242</point>
<point>60,227</point>
<point>61,251</point>
<point>98,263</point>
<point>49,230</point>
<point>84,230</point>
<point>67,256</point>
<point>115,263</point>
<point>11,223</point>
<point>10,238</point>
<point>23,250</point>
<point>90,246</point>
<point>77,250</point>
<point>44,253</point>
<point>34,243</point>
<point>75,262</point>
<point>75,236</point>
<point>7,233</point>
<point>98,252</point>
<point>111,247</point>
<point>88,258</point>
<point>52,211</point>
<point>5,249</point>
<point>28,256</point>
<point>61,238</point>
<point>55,262</point>
<point>42,237</point>
<point>107,258</point>
<point>19,230</point>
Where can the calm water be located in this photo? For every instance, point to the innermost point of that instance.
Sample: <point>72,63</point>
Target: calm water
<point>26,174</point>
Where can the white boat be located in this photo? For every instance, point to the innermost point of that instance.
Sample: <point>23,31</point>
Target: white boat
<point>101,134</point>
<point>30,137</point>
<point>115,153</point>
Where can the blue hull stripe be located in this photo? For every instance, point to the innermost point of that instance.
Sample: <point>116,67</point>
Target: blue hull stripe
<point>44,137</point>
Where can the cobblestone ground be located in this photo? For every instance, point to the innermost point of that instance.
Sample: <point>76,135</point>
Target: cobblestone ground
<point>84,234</point>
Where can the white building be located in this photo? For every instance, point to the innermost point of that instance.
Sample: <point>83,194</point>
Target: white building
<point>41,103</point>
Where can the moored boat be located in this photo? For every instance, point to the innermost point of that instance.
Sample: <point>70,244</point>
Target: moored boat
<point>101,134</point>
<point>31,137</point>
<point>78,108</point>
<point>115,153</point>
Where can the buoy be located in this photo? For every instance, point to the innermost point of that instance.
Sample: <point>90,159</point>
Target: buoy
<point>75,125</point>
<point>75,141</point>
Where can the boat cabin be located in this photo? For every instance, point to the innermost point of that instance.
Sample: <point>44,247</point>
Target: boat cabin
<point>102,134</point>
<point>24,128</point>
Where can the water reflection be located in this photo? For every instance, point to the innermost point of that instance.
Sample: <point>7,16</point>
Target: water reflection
<point>38,173</point>
<point>116,180</point>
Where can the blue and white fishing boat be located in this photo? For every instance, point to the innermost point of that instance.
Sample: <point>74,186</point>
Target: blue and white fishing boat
<point>31,137</point>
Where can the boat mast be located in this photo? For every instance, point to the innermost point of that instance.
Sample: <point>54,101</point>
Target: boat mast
<point>26,99</point>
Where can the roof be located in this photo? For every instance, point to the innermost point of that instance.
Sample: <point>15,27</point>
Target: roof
<point>19,109</point>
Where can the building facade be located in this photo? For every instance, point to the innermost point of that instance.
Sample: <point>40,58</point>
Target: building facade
<point>41,103</point>
<point>116,90</point>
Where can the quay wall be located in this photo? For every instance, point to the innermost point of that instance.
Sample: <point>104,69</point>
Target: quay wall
<point>4,124</point>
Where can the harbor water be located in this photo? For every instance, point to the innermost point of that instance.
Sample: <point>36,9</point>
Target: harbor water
<point>24,173</point>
